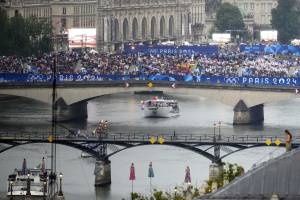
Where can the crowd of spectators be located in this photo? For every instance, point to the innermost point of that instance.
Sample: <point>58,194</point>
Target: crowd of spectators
<point>222,64</point>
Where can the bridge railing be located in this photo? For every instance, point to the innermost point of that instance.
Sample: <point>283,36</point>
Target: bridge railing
<point>146,138</point>
<point>81,79</point>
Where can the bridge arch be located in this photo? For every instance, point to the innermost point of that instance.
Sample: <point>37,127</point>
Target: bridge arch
<point>127,146</point>
<point>184,146</point>
<point>70,144</point>
<point>226,95</point>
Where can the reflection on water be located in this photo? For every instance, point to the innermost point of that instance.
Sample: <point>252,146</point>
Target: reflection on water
<point>197,116</point>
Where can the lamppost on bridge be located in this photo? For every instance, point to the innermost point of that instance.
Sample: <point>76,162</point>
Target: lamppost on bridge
<point>60,193</point>
<point>216,146</point>
<point>11,189</point>
<point>44,189</point>
<point>219,125</point>
<point>215,125</point>
<point>28,185</point>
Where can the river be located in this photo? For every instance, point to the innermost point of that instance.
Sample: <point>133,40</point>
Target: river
<point>123,112</point>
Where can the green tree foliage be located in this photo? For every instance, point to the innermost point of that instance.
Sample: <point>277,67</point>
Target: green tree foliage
<point>229,17</point>
<point>40,33</point>
<point>20,42</point>
<point>4,28</point>
<point>285,19</point>
<point>230,172</point>
<point>159,195</point>
<point>24,37</point>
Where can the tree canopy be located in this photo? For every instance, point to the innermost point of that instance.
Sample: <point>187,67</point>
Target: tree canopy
<point>285,19</point>
<point>229,18</point>
<point>19,36</point>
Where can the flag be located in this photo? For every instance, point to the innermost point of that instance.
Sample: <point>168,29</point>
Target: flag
<point>24,167</point>
<point>132,173</point>
<point>187,178</point>
<point>150,171</point>
<point>132,176</point>
<point>150,175</point>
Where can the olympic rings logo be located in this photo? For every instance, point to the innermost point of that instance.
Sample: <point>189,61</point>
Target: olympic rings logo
<point>232,80</point>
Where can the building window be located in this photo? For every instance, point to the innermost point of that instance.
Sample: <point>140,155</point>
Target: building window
<point>63,23</point>
<point>64,11</point>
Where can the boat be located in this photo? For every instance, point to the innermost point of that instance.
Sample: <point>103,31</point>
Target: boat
<point>25,181</point>
<point>85,155</point>
<point>160,107</point>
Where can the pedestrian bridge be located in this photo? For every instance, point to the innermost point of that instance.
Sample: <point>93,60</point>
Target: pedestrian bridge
<point>72,97</point>
<point>213,147</point>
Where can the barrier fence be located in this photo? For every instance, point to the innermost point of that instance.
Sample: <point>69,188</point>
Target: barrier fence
<point>213,80</point>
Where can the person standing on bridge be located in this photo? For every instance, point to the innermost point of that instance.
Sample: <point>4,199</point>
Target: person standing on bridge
<point>288,140</point>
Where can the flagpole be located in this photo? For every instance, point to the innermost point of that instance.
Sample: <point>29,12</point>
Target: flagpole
<point>150,187</point>
<point>131,187</point>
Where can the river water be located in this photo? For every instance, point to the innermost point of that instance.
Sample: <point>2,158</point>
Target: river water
<point>123,112</point>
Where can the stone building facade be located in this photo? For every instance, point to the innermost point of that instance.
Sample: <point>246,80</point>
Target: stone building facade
<point>257,13</point>
<point>146,21</point>
<point>140,21</point>
<point>63,14</point>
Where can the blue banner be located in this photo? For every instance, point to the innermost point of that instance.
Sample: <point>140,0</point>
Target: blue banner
<point>211,80</point>
<point>252,48</point>
<point>271,49</point>
<point>171,49</point>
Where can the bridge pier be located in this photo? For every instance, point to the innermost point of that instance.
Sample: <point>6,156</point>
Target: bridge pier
<point>102,172</point>
<point>215,169</point>
<point>71,112</point>
<point>245,115</point>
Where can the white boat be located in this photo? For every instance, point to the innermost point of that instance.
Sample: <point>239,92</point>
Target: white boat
<point>18,183</point>
<point>85,155</point>
<point>160,108</point>
<point>24,182</point>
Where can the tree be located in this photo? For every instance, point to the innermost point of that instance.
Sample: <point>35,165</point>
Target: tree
<point>230,18</point>
<point>4,32</point>
<point>19,36</point>
<point>285,19</point>
<point>40,33</point>
<point>20,42</point>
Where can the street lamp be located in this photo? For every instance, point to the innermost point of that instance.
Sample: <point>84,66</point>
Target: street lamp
<point>11,189</point>
<point>44,189</point>
<point>60,193</point>
<point>28,185</point>
<point>219,125</point>
<point>215,125</point>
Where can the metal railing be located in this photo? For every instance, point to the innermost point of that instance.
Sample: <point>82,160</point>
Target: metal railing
<point>154,138</point>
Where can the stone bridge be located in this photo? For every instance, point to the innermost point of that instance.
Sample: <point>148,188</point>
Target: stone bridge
<point>72,97</point>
